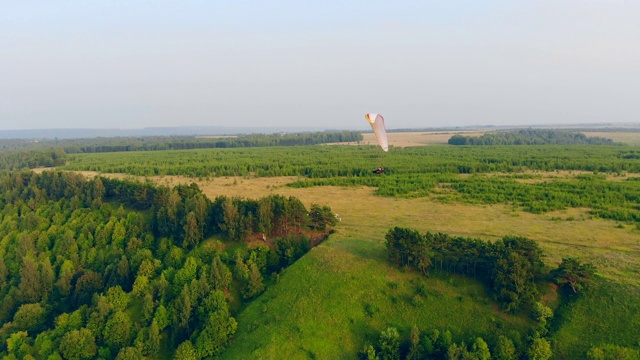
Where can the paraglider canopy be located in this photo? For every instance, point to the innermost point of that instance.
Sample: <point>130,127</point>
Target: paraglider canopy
<point>377,124</point>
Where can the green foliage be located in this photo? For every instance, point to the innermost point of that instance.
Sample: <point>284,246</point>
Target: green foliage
<point>542,314</point>
<point>158,143</point>
<point>406,247</point>
<point>606,313</point>
<point>540,349</point>
<point>216,333</point>
<point>389,344</point>
<point>129,353</point>
<point>73,265</point>
<point>29,317</point>
<point>505,349</point>
<point>321,216</point>
<point>118,332</point>
<point>573,273</point>
<point>529,137</point>
<point>17,159</point>
<point>287,250</point>
<point>416,351</point>
<point>220,274</point>
<point>480,349</point>
<point>612,352</point>
<point>78,344</point>
<point>368,352</point>
<point>317,162</point>
<point>458,352</point>
<point>186,351</point>
<point>509,265</point>
<point>255,283</point>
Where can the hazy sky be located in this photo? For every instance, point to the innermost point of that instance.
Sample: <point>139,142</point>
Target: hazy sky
<point>133,64</point>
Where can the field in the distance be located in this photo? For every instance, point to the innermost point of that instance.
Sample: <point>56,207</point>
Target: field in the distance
<point>419,138</point>
<point>629,138</point>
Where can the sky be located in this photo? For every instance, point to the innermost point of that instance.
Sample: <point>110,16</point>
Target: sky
<point>140,63</point>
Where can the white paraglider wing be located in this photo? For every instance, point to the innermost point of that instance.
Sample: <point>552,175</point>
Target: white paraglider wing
<point>377,124</point>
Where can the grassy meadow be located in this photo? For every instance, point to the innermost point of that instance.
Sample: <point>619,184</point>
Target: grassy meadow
<point>344,292</point>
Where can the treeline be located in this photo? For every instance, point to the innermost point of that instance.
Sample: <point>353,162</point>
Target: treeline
<point>529,137</point>
<point>510,266</point>
<point>436,344</point>
<point>156,143</point>
<point>185,215</point>
<point>102,268</point>
<point>15,159</point>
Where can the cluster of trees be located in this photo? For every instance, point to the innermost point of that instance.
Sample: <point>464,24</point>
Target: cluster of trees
<point>437,344</point>
<point>509,266</point>
<point>529,137</point>
<point>186,216</point>
<point>15,159</point>
<point>83,276</point>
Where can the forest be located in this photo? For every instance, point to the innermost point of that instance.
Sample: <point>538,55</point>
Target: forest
<point>118,269</point>
<point>156,143</point>
<point>529,137</point>
<point>98,266</point>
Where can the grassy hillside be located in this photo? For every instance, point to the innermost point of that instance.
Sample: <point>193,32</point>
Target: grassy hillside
<point>608,313</point>
<point>342,293</point>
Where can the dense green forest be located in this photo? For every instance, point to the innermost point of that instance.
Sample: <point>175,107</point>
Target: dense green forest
<point>529,137</point>
<point>120,269</point>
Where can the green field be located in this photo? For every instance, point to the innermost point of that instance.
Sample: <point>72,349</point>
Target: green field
<point>344,292</point>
